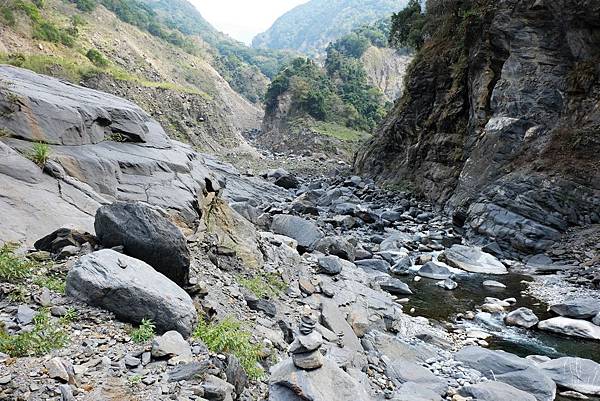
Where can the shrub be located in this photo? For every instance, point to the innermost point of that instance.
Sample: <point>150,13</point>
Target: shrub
<point>51,33</point>
<point>144,332</point>
<point>97,58</point>
<point>47,334</point>
<point>38,3</point>
<point>40,153</point>
<point>228,336</point>
<point>7,15</point>
<point>85,5</point>
<point>13,268</point>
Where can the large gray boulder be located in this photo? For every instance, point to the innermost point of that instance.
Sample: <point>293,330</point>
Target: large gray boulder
<point>473,260</point>
<point>578,374</point>
<point>132,290</point>
<point>578,308</point>
<point>434,271</point>
<point>510,369</point>
<point>571,327</point>
<point>328,383</point>
<point>495,391</point>
<point>304,231</point>
<point>522,317</point>
<point>146,235</point>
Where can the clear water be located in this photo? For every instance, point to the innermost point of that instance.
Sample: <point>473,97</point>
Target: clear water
<point>436,303</point>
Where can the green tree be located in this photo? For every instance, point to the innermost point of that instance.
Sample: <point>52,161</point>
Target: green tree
<point>408,27</point>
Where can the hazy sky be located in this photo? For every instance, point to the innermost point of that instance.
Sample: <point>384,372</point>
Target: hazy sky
<point>243,19</point>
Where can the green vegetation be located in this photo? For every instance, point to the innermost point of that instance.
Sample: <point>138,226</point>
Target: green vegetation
<point>18,294</point>
<point>47,334</point>
<point>229,336</point>
<point>86,5</point>
<point>339,131</point>
<point>339,94</point>
<point>144,332</point>
<point>40,153</point>
<point>51,33</point>
<point>53,283</point>
<point>69,317</point>
<point>408,27</point>
<point>13,268</point>
<point>264,284</point>
<point>74,71</point>
<point>97,58</point>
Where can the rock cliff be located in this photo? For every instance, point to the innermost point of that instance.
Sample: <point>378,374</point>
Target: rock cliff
<point>500,122</point>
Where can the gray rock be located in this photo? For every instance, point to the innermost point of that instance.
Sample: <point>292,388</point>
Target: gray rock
<point>404,371</point>
<point>132,293</point>
<point>571,327</point>
<point>579,308</point>
<point>510,369</point>
<point>329,383</point>
<point>5,379</point>
<point>335,321</point>
<point>434,271</point>
<point>522,317</point>
<point>402,267</point>
<point>262,305</point>
<point>495,391</point>
<point>145,235</point>
<point>25,315</point>
<point>473,260</point>
<point>336,246</point>
<point>131,361</point>
<point>578,374</point>
<point>493,284</point>
<point>57,370</point>
<point>217,389</point>
<point>306,343</point>
<point>596,320</point>
<point>415,392</point>
<point>394,286</point>
<point>236,375</point>
<point>287,181</point>
<point>66,394</point>
<point>358,318</point>
<point>308,360</point>
<point>448,284</point>
<point>304,231</point>
<point>189,371</point>
<point>170,344</point>
<point>374,264</point>
<point>330,265</point>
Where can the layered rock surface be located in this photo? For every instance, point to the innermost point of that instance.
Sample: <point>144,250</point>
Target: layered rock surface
<point>101,148</point>
<point>508,144</point>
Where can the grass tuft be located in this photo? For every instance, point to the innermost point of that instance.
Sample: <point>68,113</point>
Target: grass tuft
<point>229,336</point>
<point>56,284</point>
<point>264,285</point>
<point>40,153</point>
<point>13,268</point>
<point>47,334</point>
<point>144,333</point>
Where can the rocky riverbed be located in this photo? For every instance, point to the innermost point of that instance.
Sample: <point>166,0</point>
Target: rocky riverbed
<point>404,309</point>
<point>201,282</point>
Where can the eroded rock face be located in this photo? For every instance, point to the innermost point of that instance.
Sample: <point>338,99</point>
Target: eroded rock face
<point>492,145</point>
<point>102,149</point>
<point>132,290</point>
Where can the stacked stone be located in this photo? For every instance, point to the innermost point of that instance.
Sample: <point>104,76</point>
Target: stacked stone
<point>305,348</point>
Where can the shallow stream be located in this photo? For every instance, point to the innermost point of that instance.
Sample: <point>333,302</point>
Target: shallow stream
<point>442,305</point>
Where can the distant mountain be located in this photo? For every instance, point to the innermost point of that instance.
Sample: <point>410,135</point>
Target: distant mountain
<point>310,27</point>
<point>247,70</point>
